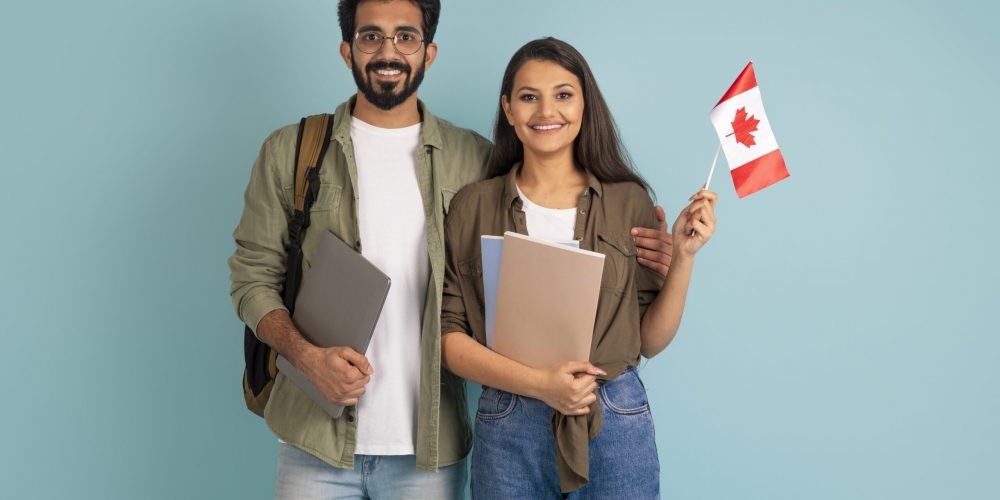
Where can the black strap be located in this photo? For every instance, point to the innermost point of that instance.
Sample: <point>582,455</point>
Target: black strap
<point>300,219</point>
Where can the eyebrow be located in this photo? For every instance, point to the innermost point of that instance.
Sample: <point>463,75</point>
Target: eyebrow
<point>533,89</point>
<point>372,27</point>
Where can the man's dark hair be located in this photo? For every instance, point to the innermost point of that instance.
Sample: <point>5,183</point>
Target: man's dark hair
<point>598,148</point>
<point>347,11</point>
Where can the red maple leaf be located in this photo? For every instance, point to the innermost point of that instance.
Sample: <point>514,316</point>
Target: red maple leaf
<point>743,125</point>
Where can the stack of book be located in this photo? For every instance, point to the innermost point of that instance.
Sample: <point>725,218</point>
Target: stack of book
<point>541,298</point>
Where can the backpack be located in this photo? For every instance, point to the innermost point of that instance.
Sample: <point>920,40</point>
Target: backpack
<point>311,144</point>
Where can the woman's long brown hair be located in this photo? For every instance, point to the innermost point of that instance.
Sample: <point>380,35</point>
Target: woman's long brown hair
<point>597,149</point>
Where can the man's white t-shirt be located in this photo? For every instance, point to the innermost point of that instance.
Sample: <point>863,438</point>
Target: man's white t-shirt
<point>394,238</point>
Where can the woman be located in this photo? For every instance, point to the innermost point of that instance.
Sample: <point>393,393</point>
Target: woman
<point>558,171</point>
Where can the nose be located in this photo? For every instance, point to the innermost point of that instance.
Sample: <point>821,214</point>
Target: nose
<point>546,107</point>
<point>388,50</point>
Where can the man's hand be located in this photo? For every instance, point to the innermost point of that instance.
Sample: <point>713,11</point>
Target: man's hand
<point>339,373</point>
<point>654,248</point>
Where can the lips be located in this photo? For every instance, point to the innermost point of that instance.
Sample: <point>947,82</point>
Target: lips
<point>388,70</point>
<point>547,127</point>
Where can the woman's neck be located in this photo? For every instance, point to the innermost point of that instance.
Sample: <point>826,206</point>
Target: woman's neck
<point>552,181</point>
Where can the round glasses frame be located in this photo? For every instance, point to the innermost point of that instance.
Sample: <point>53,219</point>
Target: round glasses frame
<point>366,41</point>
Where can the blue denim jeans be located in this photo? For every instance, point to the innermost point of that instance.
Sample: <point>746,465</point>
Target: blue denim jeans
<point>302,476</point>
<point>514,453</point>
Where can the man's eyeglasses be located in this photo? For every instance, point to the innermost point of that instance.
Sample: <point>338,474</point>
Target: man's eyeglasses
<point>406,42</point>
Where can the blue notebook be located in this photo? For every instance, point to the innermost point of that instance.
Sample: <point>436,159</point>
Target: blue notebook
<point>492,251</point>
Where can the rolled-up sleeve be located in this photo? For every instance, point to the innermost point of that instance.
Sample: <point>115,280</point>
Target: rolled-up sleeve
<point>258,266</point>
<point>453,316</point>
<point>647,281</point>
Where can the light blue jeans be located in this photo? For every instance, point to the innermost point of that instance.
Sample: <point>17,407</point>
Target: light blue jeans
<point>302,476</point>
<point>514,453</point>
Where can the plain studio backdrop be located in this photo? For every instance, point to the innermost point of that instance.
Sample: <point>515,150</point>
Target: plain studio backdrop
<point>839,340</point>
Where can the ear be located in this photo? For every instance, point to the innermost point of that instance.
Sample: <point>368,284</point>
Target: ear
<point>345,53</point>
<point>430,54</point>
<point>506,109</point>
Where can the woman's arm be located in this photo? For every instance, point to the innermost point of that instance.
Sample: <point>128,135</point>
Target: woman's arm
<point>566,387</point>
<point>693,228</point>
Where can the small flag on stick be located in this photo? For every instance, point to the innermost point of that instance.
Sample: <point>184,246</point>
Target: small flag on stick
<point>745,136</point>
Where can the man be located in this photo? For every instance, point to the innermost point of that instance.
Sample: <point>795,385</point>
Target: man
<point>386,183</point>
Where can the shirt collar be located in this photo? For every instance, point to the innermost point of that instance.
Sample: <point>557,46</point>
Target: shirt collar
<point>510,185</point>
<point>430,130</point>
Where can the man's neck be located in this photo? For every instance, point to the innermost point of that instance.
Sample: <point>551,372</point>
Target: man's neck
<point>403,115</point>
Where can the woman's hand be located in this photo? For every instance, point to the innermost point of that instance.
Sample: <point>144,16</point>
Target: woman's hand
<point>569,387</point>
<point>695,224</point>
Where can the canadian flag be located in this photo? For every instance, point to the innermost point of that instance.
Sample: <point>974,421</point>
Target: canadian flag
<point>755,161</point>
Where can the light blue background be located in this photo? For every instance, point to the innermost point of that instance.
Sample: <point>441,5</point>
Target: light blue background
<point>839,341</point>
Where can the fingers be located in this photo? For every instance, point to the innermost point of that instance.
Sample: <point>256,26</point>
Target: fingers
<point>576,367</point>
<point>345,382</point>
<point>346,372</point>
<point>651,239</point>
<point>355,358</point>
<point>355,393</point>
<point>581,407</point>
<point>654,249</point>
<point>344,392</point>
<point>709,196</point>
<point>584,387</point>
<point>701,209</point>
<point>661,217</point>
<point>700,230</point>
<point>702,212</point>
<point>349,398</point>
<point>659,236</point>
<point>651,255</point>
<point>657,266</point>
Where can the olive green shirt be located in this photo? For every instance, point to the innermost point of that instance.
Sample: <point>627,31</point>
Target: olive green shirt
<point>447,159</point>
<point>606,213</point>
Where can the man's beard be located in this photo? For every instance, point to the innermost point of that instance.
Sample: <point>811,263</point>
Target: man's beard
<point>381,94</point>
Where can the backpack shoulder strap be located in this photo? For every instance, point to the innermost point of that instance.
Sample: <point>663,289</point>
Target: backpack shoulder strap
<point>313,140</point>
<point>311,145</point>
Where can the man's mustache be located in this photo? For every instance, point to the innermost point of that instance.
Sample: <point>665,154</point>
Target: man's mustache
<point>387,65</point>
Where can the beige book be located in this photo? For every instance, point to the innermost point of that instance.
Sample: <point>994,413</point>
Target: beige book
<point>546,301</point>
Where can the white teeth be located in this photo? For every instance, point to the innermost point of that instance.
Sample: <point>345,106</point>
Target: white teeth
<point>545,127</point>
<point>388,72</point>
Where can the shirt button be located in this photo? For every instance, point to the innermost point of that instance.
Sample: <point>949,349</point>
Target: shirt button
<point>583,212</point>
<point>350,418</point>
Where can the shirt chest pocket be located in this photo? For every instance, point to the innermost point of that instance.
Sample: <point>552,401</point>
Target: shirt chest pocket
<point>327,200</point>
<point>619,260</point>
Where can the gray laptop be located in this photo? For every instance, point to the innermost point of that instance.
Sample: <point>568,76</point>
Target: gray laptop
<point>338,304</point>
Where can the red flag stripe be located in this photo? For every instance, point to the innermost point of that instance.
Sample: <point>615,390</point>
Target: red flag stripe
<point>759,174</point>
<point>743,83</point>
